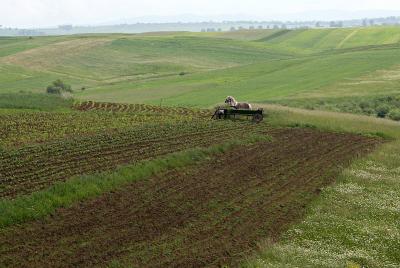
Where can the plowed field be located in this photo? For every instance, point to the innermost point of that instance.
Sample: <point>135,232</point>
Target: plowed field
<point>207,215</point>
<point>36,167</point>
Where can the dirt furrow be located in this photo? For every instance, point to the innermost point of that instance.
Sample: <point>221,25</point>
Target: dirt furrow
<point>32,177</point>
<point>207,215</point>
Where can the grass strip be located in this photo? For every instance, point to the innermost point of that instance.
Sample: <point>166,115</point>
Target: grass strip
<point>354,222</point>
<point>64,194</point>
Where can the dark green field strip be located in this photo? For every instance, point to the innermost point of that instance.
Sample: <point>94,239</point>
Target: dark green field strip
<point>39,102</point>
<point>274,35</point>
<point>29,169</point>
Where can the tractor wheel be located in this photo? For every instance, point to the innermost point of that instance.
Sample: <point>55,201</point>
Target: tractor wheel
<point>258,118</point>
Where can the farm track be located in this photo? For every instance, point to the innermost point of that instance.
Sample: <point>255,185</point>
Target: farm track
<point>30,169</point>
<point>208,215</point>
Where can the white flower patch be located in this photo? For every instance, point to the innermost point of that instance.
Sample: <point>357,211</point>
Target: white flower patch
<point>335,254</point>
<point>349,188</point>
<point>377,168</point>
<point>388,230</point>
<point>387,201</point>
<point>297,231</point>
<point>362,174</point>
<point>396,170</point>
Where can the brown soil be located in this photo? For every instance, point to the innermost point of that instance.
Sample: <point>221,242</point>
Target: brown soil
<point>37,167</point>
<point>209,215</point>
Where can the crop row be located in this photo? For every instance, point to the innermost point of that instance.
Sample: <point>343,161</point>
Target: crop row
<point>31,168</point>
<point>139,108</point>
<point>25,128</point>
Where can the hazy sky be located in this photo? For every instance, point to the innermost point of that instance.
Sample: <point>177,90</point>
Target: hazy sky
<point>39,13</point>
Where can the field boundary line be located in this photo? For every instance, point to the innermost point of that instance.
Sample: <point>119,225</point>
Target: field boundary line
<point>340,45</point>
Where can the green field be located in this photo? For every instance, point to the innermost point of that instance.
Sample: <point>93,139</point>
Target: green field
<point>199,70</point>
<point>257,66</point>
<point>129,170</point>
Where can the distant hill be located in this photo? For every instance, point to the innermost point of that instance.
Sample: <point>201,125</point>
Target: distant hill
<point>201,69</point>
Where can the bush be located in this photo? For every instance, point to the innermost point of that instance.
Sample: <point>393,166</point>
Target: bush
<point>58,87</point>
<point>368,111</point>
<point>364,105</point>
<point>395,114</point>
<point>53,90</point>
<point>382,110</point>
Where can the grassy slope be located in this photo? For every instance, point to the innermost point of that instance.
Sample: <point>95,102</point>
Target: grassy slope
<point>330,63</point>
<point>13,45</point>
<point>258,65</point>
<point>271,80</point>
<point>111,59</point>
<point>328,39</point>
<point>355,222</point>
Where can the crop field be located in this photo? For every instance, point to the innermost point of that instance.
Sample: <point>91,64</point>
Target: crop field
<point>129,169</point>
<point>210,212</point>
<point>97,137</point>
<point>215,210</point>
<point>28,169</point>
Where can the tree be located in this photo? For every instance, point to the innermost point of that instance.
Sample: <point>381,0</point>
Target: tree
<point>58,87</point>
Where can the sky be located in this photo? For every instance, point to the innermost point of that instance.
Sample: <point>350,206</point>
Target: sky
<point>43,13</point>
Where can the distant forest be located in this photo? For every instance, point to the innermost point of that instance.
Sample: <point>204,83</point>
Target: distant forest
<point>199,27</point>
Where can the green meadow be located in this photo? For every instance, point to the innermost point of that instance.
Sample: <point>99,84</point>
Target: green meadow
<point>201,69</point>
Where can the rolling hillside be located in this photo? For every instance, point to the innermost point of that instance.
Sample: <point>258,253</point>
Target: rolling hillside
<point>200,69</point>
